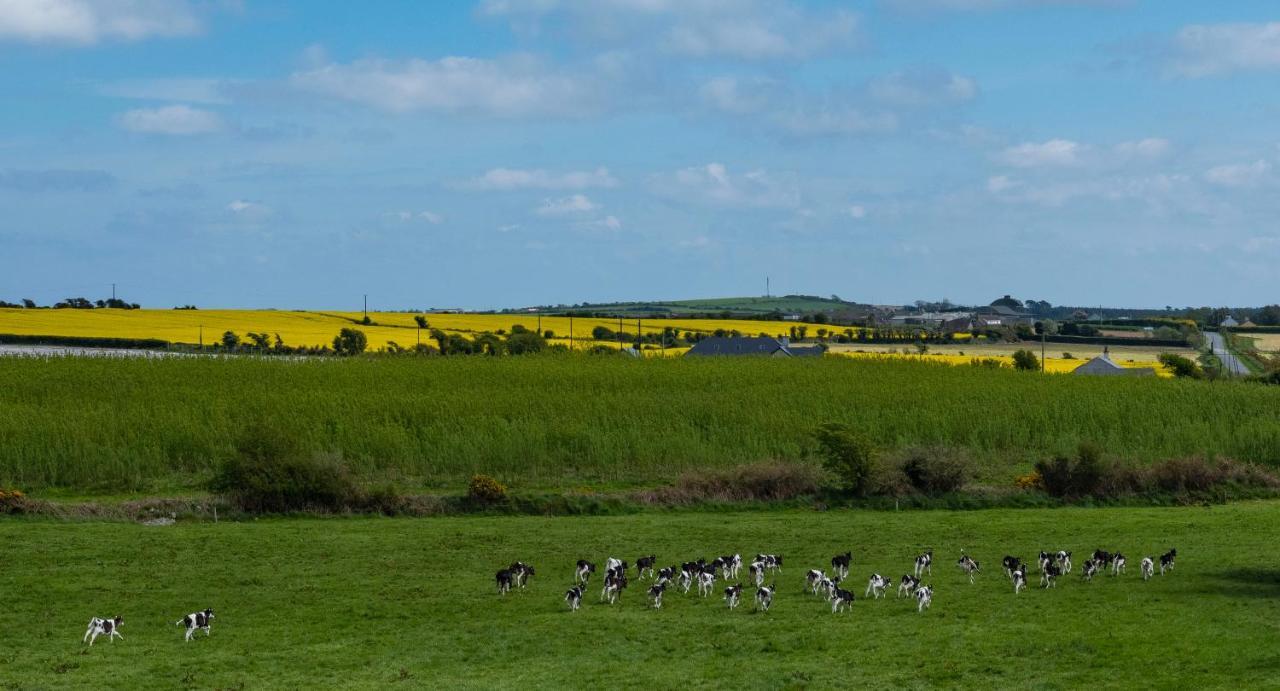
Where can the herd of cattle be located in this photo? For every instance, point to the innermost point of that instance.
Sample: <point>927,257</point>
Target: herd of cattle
<point>703,574</point>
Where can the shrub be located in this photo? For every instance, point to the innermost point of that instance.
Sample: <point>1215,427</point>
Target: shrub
<point>1083,476</point>
<point>935,470</point>
<point>847,454</point>
<point>1026,361</point>
<point>13,501</point>
<point>1182,367</point>
<point>271,473</point>
<point>763,481</point>
<point>1031,480</point>
<point>350,342</point>
<point>485,489</point>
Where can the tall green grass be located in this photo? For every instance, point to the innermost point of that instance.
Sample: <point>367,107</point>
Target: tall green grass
<point>564,421</point>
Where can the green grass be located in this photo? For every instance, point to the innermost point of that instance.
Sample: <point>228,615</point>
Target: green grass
<point>112,425</point>
<point>350,603</point>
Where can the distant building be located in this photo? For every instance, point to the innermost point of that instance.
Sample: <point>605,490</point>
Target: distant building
<point>946,321</point>
<point>747,345</point>
<point>1104,366</point>
<point>1229,322</point>
<point>1248,324</point>
<point>1001,315</point>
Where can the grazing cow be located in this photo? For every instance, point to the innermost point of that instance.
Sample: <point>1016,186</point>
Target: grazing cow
<point>505,580</point>
<point>1049,579</point>
<point>729,565</point>
<point>1103,558</point>
<point>108,627</point>
<point>840,564</point>
<point>686,579</point>
<point>1117,564</point>
<point>520,573</point>
<point>197,620</point>
<point>756,569</point>
<point>655,593</point>
<point>1166,560</point>
<point>707,581</point>
<point>924,562</point>
<point>828,586</point>
<point>1044,560</point>
<point>968,565</point>
<point>814,579</point>
<point>1148,568</point>
<point>613,564</point>
<point>876,585</point>
<point>841,598</point>
<point>733,594</point>
<point>924,596</point>
<point>645,565</point>
<point>584,571</point>
<point>1064,561</point>
<point>908,584</point>
<point>764,597</point>
<point>574,597</point>
<point>1011,564</point>
<point>1090,568</point>
<point>614,583</point>
<point>667,574</point>
<point>1019,578</point>
<point>772,562</point>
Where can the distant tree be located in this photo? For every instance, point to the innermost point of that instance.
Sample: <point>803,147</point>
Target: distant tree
<point>421,321</point>
<point>279,344</point>
<point>230,340</point>
<point>1267,316</point>
<point>488,344</point>
<point>1007,301</point>
<point>1026,361</point>
<point>28,303</point>
<point>365,320</point>
<point>847,454</point>
<point>602,333</point>
<point>548,334</point>
<point>350,342</point>
<point>1079,315</point>
<point>801,331</point>
<point>525,342</point>
<point>922,348</point>
<point>261,341</point>
<point>1182,367</point>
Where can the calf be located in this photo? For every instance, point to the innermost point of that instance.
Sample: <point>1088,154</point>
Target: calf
<point>877,584</point>
<point>1011,564</point>
<point>197,620</point>
<point>732,595</point>
<point>645,565</point>
<point>924,562</point>
<point>1044,560</point>
<point>505,580</point>
<point>1148,568</point>
<point>655,594</point>
<point>1091,567</point>
<point>1049,578</point>
<point>520,573</point>
<point>1166,560</point>
<point>108,627</point>
<point>756,570</point>
<point>764,597</point>
<point>613,563</point>
<point>706,581</point>
<point>908,584</point>
<point>730,565</point>
<point>813,580</point>
<point>1019,579</point>
<point>667,574</point>
<point>924,596</point>
<point>1064,561</point>
<point>584,571</point>
<point>840,564</point>
<point>772,562</point>
<point>614,583</point>
<point>968,565</point>
<point>574,597</point>
<point>841,598</point>
<point>1103,558</point>
<point>1117,564</point>
<point>828,586</point>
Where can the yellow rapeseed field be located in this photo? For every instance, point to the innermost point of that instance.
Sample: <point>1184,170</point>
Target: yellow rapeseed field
<point>1051,365</point>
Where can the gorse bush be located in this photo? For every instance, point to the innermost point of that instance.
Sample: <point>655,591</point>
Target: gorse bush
<point>847,454</point>
<point>485,489</point>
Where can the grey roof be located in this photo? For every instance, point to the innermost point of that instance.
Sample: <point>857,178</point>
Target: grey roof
<point>748,345</point>
<point>1103,365</point>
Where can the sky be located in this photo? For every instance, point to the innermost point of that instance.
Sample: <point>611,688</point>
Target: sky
<point>303,153</point>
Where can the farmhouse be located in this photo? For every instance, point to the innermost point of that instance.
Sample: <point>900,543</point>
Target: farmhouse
<point>946,321</point>
<point>762,345</point>
<point>1229,322</point>
<point>1104,366</point>
<point>1001,315</point>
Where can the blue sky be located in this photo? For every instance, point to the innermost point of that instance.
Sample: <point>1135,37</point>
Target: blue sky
<point>272,153</point>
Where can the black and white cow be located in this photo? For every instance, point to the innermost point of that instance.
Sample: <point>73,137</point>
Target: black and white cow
<point>814,580</point>
<point>924,596</point>
<point>1117,564</point>
<point>733,594</point>
<point>197,620</point>
<point>520,573</point>
<point>583,571</point>
<point>877,584</point>
<point>924,562</point>
<point>772,562</point>
<point>1049,578</point>
<point>1044,560</point>
<point>615,582</point>
<point>1011,564</point>
<point>841,598</point>
<point>644,565</point>
<point>613,564</point>
<point>505,579</point>
<point>730,565</point>
<point>667,574</point>
<point>1063,558</point>
<point>574,597</point>
<point>1166,560</point>
<point>840,564</point>
<point>1148,566</point>
<point>1103,558</point>
<point>756,571</point>
<point>764,597</point>
<point>1091,567</point>
<point>908,584</point>
<point>103,627</point>
<point>655,594</point>
<point>828,586</point>
<point>707,581</point>
<point>968,565</point>
<point>1019,578</point>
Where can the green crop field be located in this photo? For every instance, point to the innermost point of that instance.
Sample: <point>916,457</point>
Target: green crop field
<point>389,603</point>
<point>89,425</point>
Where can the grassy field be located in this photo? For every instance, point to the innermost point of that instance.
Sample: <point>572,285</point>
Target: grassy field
<point>107,425</point>
<point>1267,343</point>
<point>388,603</point>
<point>318,328</point>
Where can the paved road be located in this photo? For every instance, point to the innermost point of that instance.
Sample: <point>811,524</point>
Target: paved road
<point>1229,361</point>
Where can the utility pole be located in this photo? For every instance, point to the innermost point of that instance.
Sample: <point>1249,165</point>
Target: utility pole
<point>539,323</point>
<point>571,332</point>
<point>766,286</point>
<point>1043,334</point>
<point>113,292</point>
<point>619,333</point>
<point>366,305</point>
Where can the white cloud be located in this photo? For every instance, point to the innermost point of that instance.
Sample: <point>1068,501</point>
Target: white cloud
<point>737,29</point>
<point>249,213</point>
<point>1239,175</point>
<point>175,120</point>
<point>86,22</point>
<point>925,6</point>
<point>1151,147</point>
<point>714,184</point>
<point>737,95</point>
<point>567,206</point>
<point>511,87</point>
<point>857,211</point>
<point>1206,49</point>
<point>517,179</point>
<point>999,183</point>
<point>923,87</point>
<point>608,223</point>
<point>431,217</point>
<point>425,216</point>
<point>1055,152</point>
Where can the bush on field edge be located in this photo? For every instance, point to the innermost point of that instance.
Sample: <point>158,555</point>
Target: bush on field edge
<point>762,481</point>
<point>1090,475</point>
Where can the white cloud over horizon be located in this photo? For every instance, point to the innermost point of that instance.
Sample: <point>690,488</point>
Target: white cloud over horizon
<point>177,120</point>
<point>87,22</point>
<point>540,179</point>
